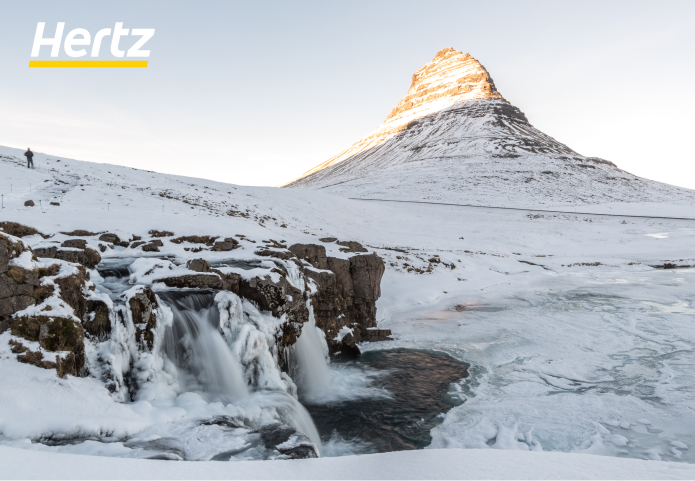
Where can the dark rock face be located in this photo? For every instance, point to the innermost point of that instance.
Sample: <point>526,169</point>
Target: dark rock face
<point>346,295</point>
<point>279,298</point>
<point>143,306</point>
<point>314,254</point>
<point>17,285</point>
<point>96,321</point>
<point>366,272</point>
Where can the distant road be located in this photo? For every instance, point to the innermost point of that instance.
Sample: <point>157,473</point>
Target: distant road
<point>528,210</point>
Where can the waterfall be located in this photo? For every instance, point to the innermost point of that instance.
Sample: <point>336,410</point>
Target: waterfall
<point>195,345</point>
<point>310,361</point>
<point>220,344</point>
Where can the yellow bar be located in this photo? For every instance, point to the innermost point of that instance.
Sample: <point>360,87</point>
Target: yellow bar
<point>88,63</point>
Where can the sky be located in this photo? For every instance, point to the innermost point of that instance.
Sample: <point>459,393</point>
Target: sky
<point>256,93</point>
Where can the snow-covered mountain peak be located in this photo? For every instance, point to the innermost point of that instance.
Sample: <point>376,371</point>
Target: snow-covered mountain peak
<point>450,77</point>
<point>454,139</point>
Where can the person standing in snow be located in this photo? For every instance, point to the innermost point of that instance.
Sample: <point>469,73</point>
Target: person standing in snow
<point>29,155</point>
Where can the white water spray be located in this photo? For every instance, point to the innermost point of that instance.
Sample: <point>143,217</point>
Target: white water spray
<point>309,356</point>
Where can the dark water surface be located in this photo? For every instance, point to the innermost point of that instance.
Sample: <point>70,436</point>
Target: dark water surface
<point>418,381</point>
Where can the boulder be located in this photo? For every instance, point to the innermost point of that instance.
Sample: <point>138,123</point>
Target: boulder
<point>198,265</point>
<point>376,335</point>
<point>88,257</point>
<point>227,244</point>
<point>113,239</point>
<point>29,203</point>
<point>351,246</point>
<point>75,243</point>
<point>57,204</point>
<point>46,252</point>
<point>328,239</point>
<point>151,247</point>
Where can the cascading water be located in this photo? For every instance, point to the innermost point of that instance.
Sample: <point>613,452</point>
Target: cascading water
<point>309,361</point>
<point>196,347</point>
<point>225,357</point>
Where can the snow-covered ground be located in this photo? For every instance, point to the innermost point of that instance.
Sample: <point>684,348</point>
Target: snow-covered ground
<point>575,343</point>
<point>427,464</point>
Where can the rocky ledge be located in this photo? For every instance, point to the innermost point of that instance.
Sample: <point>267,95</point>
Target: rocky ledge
<point>49,304</point>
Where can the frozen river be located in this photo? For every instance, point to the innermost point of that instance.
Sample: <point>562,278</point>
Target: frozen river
<point>593,359</point>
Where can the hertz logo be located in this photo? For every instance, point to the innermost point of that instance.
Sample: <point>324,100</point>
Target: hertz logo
<point>77,39</point>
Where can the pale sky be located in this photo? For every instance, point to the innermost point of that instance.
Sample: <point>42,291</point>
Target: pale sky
<point>258,92</point>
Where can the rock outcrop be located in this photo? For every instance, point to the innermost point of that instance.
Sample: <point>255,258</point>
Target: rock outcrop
<point>208,278</point>
<point>21,288</point>
<point>347,291</point>
<point>73,250</point>
<point>143,307</point>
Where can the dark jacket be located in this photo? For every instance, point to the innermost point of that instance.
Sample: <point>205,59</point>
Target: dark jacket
<point>29,154</point>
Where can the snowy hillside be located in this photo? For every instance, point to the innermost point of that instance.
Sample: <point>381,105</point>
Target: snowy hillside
<point>577,339</point>
<point>454,139</point>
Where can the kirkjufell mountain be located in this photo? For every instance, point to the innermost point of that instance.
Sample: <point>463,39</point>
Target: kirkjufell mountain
<point>454,138</point>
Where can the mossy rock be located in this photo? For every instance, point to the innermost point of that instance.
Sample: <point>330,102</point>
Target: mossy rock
<point>23,276</point>
<point>19,230</point>
<point>55,334</point>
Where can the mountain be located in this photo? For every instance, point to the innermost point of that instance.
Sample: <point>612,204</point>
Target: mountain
<point>454,138</point>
